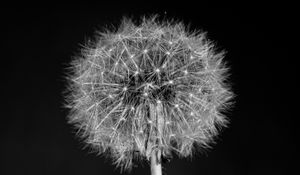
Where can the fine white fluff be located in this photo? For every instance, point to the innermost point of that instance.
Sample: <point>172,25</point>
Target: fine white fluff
<point>152,85</point>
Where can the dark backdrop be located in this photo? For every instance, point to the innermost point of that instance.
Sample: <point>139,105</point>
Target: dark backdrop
<point>40,41</point>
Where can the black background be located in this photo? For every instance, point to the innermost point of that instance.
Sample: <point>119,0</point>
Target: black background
<point>40,41</point>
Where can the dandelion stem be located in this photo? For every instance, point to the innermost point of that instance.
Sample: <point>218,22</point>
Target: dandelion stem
<point>156,162</point>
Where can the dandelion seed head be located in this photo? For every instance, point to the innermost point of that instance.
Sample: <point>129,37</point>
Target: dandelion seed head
<point>128,100</point>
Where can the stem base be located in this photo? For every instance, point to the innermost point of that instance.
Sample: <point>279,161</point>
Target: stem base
<point>156,163</point>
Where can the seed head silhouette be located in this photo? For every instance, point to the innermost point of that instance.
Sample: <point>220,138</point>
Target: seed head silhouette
<point>147,90</point>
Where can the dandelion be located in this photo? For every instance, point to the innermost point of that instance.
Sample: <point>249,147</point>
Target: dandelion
<point>148,90</point>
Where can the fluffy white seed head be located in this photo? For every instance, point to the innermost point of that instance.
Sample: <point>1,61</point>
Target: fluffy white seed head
<point>148,86</point>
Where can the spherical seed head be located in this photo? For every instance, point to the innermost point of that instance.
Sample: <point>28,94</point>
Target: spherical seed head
<point>148,86</point>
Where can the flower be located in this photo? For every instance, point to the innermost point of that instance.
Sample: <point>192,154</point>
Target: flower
<point>152,86</point>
